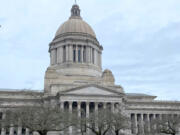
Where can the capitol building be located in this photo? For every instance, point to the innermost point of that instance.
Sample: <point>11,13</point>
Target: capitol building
<point>75,80</point>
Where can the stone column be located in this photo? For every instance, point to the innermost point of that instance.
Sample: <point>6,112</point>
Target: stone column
<point>112,107</point>
<point>87,109</point>
<point>70,107</point>
<point>59,55</point>
<point>87,115</point>
<point>142,124</point>
<point>19,131</point>
<point>88,54</point>
<point>104,105</point>
<point>27,131</point>
<point>53,56</point>
<point>148,123</point>
<point>95,57</point>
<point>70,110</point>
<point>62,106</point>
<point>70,53</point>
<point>11,132</point>
<point>3,130</point>
<point>154,117</point>
<point>135,123</point>
<point>79,109</point>
<point>96,107</point>
<point>62,109</point>
<point>100,60</point>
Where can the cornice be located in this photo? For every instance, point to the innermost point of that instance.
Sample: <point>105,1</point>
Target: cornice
<point>154,102</point>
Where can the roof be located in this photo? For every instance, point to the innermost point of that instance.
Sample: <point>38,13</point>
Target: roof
<point>75,24</point>
<point>140,95</point>
<point>19,91</point>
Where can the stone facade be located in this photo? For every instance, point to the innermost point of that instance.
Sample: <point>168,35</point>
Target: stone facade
<point>75,80</point>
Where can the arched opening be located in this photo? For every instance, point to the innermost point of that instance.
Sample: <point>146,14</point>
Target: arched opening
<point>66,105</point>
<point>74,107</point>
<point>91,107</point>
<point>83,109</point>
<point>100,106</point>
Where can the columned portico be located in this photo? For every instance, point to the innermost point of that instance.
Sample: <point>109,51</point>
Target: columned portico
<point>141,122</point>
<point>96,106</point>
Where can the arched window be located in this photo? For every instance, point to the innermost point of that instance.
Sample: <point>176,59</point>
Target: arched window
<point>74,53</point>
<point>64,53</point>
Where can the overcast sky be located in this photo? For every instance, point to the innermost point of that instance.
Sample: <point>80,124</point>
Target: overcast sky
<point>141,40</point>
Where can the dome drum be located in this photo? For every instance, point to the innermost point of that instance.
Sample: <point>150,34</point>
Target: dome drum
<point>75,43</point>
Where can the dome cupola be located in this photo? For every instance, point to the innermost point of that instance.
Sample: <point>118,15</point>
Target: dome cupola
<point>75,53</point>
<point>75,25</point>
<point>75,11</point>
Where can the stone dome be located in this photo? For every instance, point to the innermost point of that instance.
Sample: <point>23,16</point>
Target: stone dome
<point>75,24</point>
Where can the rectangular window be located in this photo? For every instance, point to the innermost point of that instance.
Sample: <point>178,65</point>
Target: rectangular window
<point>74,54</point>
<point>1,115</point>
<point>93,55</point>
<point>64,53</point>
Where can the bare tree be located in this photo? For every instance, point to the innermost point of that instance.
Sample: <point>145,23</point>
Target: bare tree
<point>80,122</point>
<point>102,122</point>
<point>119,122</point>
<point>99,122</point>
<point>38,118</point>
<point>168,125</point>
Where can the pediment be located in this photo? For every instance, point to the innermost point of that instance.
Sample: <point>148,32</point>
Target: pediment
<point>92,90</point>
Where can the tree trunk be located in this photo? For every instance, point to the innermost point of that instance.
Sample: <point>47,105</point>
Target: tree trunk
<point>117,132</point>
<point>42,132</point>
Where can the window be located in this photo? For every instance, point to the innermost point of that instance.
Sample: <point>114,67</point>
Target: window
<point>79,54</point>
<point>84,54</point>
<point>93,55</point>
<point>1,115</point>
<point>74,53</point>
<point>64,53</point>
